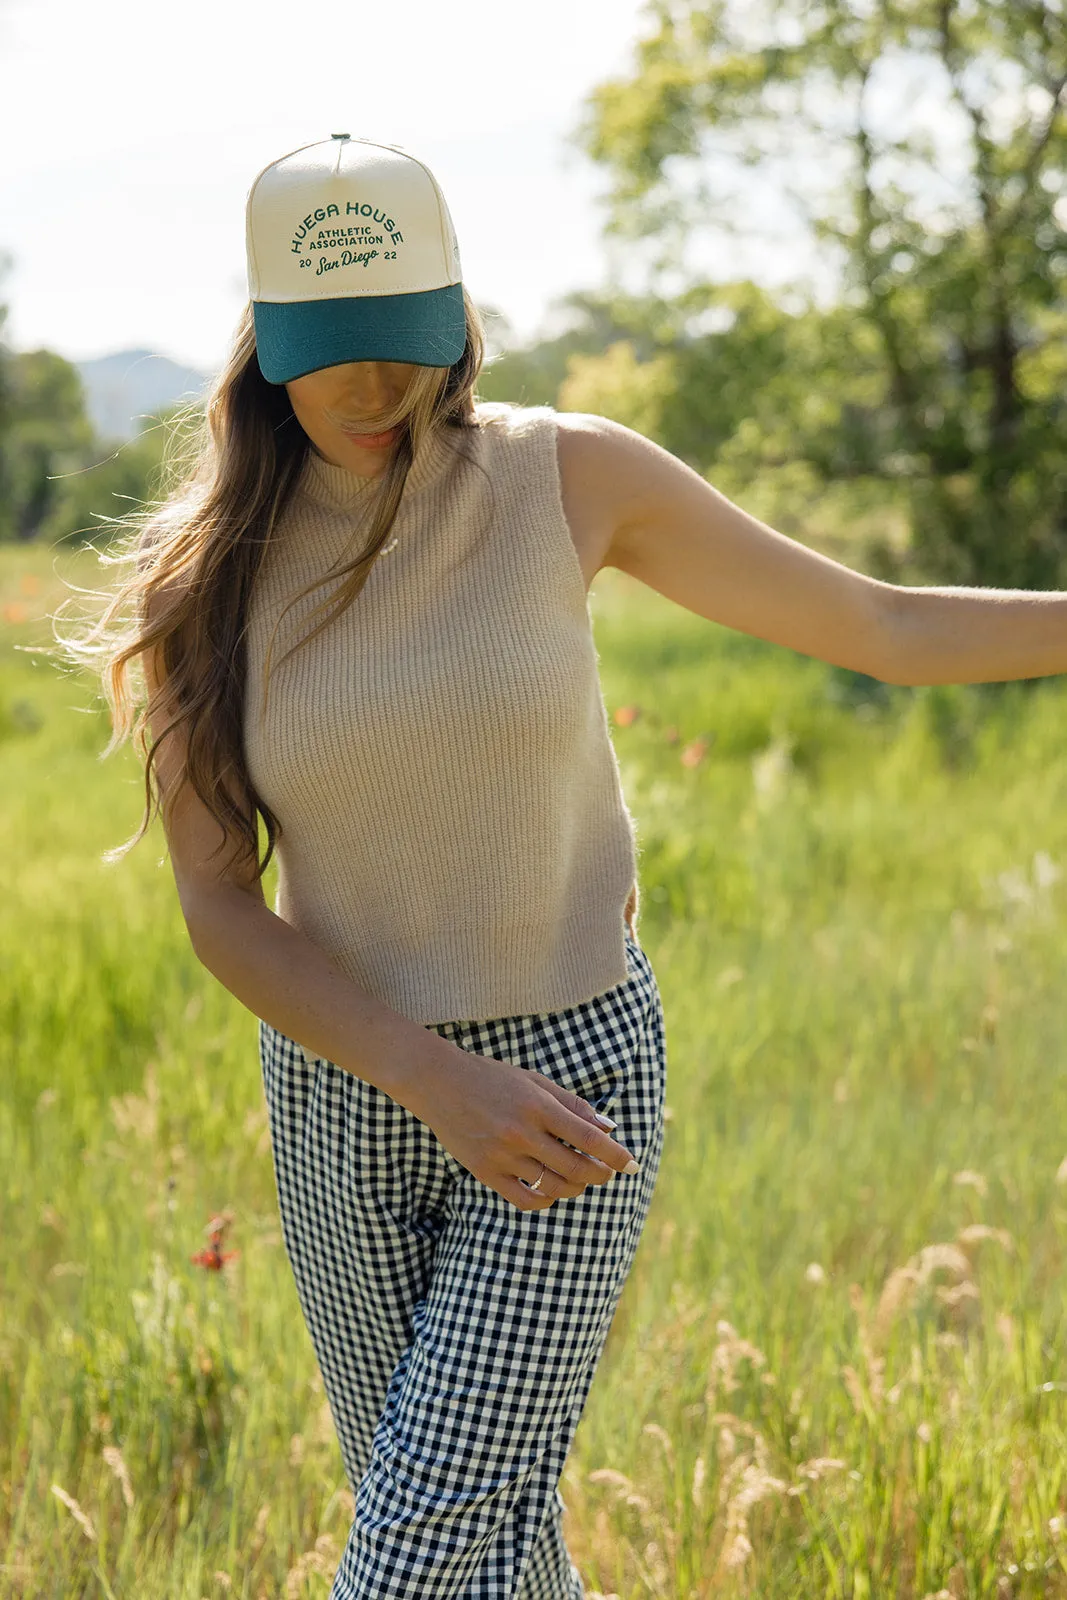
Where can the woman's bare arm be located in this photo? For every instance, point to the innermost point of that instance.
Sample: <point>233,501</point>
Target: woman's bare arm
<point>284,977</point>
<point>500,1121</point>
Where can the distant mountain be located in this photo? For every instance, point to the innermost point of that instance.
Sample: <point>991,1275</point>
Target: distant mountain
<point>123,389</point>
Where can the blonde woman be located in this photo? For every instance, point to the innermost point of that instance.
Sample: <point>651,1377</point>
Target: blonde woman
<point>461,1039</point>
<point>364,619</point>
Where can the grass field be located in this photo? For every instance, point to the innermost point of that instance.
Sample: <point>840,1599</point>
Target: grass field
<point>839,1367</point>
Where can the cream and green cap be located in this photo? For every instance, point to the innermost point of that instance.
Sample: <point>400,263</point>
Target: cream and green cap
<point>352,256</point>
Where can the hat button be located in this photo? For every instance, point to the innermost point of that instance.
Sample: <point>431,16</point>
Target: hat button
<point>340,136</point>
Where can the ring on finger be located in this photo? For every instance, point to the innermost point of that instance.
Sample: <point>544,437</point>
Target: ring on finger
<point>540,1175</point>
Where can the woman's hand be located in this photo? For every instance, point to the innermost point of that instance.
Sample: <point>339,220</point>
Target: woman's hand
<point>501,1122</point>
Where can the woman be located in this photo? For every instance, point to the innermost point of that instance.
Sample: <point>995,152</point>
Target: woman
<point>450,988</point>
<point>451,994</point>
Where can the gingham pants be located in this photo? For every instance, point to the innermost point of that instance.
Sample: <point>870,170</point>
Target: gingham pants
<point>457,1336</point>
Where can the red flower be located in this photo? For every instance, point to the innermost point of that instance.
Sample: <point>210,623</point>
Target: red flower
<point>213,1257</point>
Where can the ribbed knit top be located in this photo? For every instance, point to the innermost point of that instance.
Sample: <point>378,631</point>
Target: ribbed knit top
<point>455,834</point>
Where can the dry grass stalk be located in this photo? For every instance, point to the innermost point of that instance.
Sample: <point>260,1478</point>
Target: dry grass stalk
<point>113,1457</point>
<point>661,1539</point>
<point>949,1256</point>
<point>955,1295</point>
<point>322,1559</point>
<point>732,1472</point>
<point>657,1571</point>
<point>904,1283</point>
<point>618,1480</point>
<point>873,1362</point>
<point>819,1466</point>
<point>977,1231</point>
<point>1005,1326</point>
<point>663,1436</point>
<point>898,1294</point>
<point>730,1350</point>
<point>854,1389</point>
<point>322,1429</point>
<point>139,1114</point>
<point>733,1425</point>
<point>624,1489</point>
<point>76,1512</point>
<point>755,1484</point>
<point>726,1444</point>
<point>259,1531</point>
<point>971,1180</point>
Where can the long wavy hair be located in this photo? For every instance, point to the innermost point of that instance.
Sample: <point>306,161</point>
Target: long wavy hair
<point>229,470</point>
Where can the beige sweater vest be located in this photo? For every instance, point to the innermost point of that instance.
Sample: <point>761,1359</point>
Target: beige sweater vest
<point>455,832</point>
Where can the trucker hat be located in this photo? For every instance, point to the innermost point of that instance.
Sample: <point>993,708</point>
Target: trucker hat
<point>352,256</point>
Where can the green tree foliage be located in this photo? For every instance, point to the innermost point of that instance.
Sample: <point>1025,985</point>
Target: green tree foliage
<point>117,478</point>
<point>60,482</point>
<point>47,437</point>
<point>531,374</point>
<point>940,373</point>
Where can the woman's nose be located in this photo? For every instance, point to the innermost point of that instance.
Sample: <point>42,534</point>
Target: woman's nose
<point>369,386</point>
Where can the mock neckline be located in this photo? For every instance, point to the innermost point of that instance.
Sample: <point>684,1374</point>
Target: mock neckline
<point>337,486</point>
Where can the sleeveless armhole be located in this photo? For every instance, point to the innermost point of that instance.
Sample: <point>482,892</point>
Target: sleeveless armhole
<point>557,482</point>
<point>544,423</point>
<point>541,425</point>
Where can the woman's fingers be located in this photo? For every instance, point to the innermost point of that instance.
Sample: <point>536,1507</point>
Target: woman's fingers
<point>572,1167</point>
<point>552,1182</point>
<point>551,1186</point>
<point>586,1137</point>
<point>519,1195</point>
<point>501,1122</point>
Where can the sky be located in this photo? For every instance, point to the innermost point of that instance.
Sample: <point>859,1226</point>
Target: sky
<point>132,132</point>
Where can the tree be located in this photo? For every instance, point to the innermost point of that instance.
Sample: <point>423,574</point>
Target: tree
<point>118,477</point>
<point>48,435</point>
<point>531,374</point>
<point>951,383</point>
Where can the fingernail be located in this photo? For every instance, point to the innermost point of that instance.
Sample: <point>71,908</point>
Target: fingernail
<point>605,1122</point>
<point>631,1166</point>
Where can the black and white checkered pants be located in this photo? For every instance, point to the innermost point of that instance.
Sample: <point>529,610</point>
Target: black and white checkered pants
<point>457,1336</point>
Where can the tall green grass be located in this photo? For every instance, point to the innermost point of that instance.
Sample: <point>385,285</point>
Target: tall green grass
<point>839,1366</point>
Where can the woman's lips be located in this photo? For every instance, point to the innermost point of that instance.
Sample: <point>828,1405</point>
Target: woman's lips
<point>372,441</point>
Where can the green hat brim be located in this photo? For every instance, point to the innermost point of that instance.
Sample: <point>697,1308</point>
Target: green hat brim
<point>428,329</point>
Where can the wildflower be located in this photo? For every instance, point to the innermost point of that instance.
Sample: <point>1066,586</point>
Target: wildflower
<point>213,1257</point>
